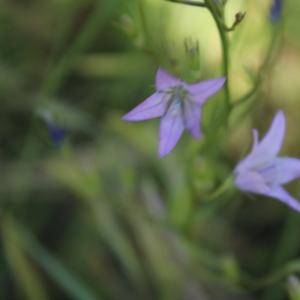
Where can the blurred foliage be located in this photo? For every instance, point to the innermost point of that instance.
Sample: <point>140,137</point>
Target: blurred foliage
<point>100,216</point>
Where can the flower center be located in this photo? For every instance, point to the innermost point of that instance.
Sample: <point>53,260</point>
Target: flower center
<point>177,98</point>
<point>179,93</point>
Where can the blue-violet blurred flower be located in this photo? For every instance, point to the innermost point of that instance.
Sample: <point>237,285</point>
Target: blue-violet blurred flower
<point>56,133</point>
<point>178,104</point>
<point>276,10</point>
<point>263,172</point>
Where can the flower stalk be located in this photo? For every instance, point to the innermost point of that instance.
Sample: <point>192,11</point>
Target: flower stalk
<point>218,17</point>
<point>192,3</point>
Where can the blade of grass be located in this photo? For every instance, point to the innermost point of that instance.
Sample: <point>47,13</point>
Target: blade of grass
<point>101,14</point>
<point>52,266</point>
<point>25,275</point>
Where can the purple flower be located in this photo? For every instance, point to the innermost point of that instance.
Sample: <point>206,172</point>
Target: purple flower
<point>178,104</point>
<point>263,172</point>
<point>56,133</point>
<point>276,10</point>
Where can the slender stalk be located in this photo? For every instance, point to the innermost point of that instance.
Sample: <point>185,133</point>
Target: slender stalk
<point>144,24</point>
<point>288,248</point>
<point>89,31</point>
<point>218,17</point>
<point>192,3</point>
<point>223,188</point>
<point>273,278</point>
<point>219,20</point>
<point>270,57</point>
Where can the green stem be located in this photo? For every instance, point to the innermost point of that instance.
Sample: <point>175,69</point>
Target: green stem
<point>273,278</point>
<point>270,56</point>
<point>98,18</point>
<point>145,26</point>
<point>288,248</point>
<point>199,4</point>
<point>223,188</point>
<point>221,116</point>
<point>219,20</point>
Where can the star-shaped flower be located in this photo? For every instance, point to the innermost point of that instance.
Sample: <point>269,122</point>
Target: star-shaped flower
<point>263,172</point>
<point>178,104</point>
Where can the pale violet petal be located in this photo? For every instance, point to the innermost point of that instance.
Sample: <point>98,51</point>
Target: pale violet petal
<point>264,152</point>
<point>245,164</point>
<point>255,136</point>
<point>204,89</point>
<point>165,80</point>
<point>195,130</point>
<point>271,144</point>
<point>152,107</point>
<point>282,195</point>
<point>251,182</point>
<point>171,128</point>
<point>192,115</point>
<point>284,170</point>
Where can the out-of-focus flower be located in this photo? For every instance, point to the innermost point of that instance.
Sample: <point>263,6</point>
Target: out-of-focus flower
<point>56,132</point>
<point>263,172</point>
<point>276,10</point>
<point>178,104</point>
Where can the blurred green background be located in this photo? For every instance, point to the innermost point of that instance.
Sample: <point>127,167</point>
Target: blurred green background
<point>99,216</point>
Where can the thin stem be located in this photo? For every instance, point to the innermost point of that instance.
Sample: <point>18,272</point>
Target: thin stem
<point>270,56</point>
<point>273,278</point>
<point>223,188</point>
<point>288,247</point>
<point>89,31</point>
<point>225,49</point>
<point>192,3</point>
<point>145,25</point>
<point>248,95</point>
